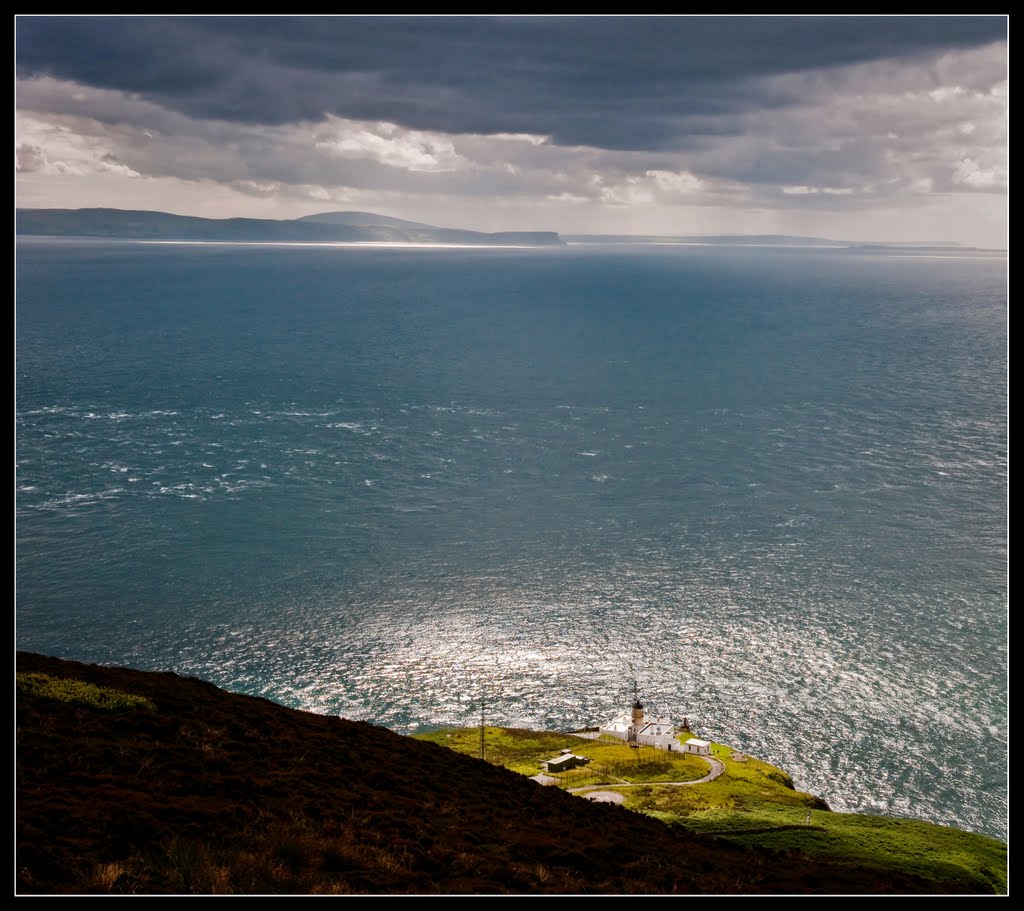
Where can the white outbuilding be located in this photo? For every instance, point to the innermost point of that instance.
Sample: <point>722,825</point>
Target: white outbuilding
<point>697,747</point>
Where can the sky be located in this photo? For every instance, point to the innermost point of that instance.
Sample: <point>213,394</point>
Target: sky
<point>854,128</point>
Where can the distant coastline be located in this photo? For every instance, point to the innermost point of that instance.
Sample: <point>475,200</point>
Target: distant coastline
<point>368,228</point>
<point>326,228</point>
<point>776,240</point>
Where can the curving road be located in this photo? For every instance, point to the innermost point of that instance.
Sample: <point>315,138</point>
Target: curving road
<point>601,794</point>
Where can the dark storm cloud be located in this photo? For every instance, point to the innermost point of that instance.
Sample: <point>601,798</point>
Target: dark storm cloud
<point>615,83</point>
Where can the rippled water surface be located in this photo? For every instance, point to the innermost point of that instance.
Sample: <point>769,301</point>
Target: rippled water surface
<point>769,484</point>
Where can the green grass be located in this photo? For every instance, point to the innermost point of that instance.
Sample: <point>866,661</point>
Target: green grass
<point>512,748</point>
<point>611,760</point>
<point>921,848</point>
<point>742,787</point>
<point>751,803</point>
<point>67,690</point>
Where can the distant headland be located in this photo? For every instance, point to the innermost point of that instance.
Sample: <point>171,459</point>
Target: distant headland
<point>371,228</point>
<point>325,228</point>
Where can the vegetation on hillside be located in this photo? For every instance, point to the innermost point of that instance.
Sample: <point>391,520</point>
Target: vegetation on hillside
<point>68,690</point>
<point>211,792</point>
<point>752,804</point>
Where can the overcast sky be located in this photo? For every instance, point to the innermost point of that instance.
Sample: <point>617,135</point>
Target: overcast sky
<point>863,128</point>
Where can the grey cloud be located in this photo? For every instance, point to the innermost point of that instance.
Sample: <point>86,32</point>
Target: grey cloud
<point>609,82</point>
<point>29,157</point>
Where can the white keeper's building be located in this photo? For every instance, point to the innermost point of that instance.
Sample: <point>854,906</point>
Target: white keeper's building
<point>636,727</point>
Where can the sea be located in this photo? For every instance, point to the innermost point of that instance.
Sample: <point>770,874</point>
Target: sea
<point>764,488</point>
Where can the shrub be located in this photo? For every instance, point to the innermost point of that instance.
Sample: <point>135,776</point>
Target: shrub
<point>67,690</point>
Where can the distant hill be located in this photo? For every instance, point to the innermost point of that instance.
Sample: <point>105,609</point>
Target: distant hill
<point>751,240</point>
<point>328,227</point>
<point>777,240</point>
<point>363,219</point>
<point>368,227</point>
<point>144,783</point>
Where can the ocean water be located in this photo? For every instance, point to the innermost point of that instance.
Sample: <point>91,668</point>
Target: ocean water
<point>770,485</point>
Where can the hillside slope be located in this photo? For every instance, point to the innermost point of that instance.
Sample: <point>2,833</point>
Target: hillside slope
<point>213,792</point>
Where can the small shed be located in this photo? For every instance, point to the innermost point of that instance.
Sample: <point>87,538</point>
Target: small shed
<point>699,747</point>
<point>563,762</point>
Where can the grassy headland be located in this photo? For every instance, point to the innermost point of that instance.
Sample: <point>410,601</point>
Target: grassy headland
<point>751,803</point>
<point>132,782</point>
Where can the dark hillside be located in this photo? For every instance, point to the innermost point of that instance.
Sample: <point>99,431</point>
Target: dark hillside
<point>214,792</point>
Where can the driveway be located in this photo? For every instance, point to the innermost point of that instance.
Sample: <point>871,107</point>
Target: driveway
<point>717,767</point>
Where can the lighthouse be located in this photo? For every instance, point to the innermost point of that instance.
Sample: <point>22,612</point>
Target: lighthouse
<point>638,715</point>
<point>639,729</point>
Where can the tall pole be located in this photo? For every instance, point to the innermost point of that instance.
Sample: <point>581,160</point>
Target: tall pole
<point>481,727</point>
